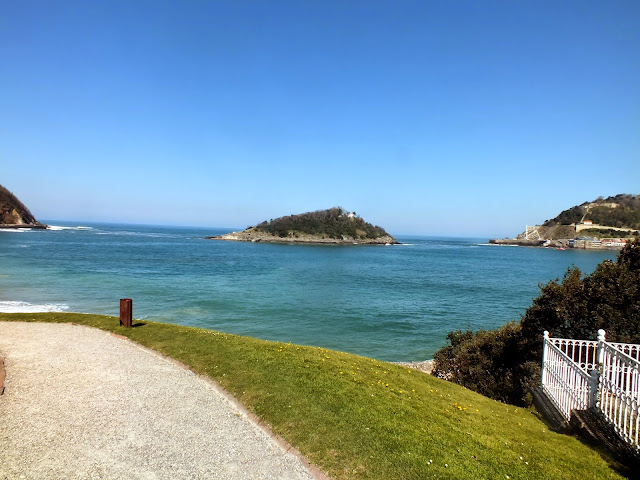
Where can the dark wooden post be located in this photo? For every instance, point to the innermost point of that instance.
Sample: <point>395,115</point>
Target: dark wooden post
<point>126,312</point>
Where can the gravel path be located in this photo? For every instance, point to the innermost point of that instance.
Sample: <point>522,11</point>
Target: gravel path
<point>81,403</point>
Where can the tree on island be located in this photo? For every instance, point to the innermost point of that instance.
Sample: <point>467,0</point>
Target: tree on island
<point>505,363</point>
<point>334,222</point>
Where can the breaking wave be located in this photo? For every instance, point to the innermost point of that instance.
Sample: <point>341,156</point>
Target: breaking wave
<point>25,307</point>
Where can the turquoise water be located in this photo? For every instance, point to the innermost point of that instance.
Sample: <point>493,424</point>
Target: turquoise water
<point>389,302</point>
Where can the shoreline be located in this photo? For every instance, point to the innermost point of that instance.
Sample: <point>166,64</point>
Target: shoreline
<point>254,236</point>
<point>557,244</point>
<point>36,226</point>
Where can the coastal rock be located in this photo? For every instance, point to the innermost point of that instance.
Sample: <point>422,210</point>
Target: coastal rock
<point>14,214</point>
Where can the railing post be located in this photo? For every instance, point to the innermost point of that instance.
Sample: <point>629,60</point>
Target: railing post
<point>594,381</point>
<point>602,337</point>
<point>545,340</point>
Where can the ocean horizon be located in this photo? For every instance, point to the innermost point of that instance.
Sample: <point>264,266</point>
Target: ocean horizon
<point>394,303</point>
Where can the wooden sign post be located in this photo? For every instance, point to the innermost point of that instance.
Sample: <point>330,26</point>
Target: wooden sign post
<point>126,312</point>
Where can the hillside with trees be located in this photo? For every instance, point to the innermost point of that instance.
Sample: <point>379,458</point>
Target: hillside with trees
<point>13,212</point>
<point>505,363</point>
<point>620,211</point>
<point>334,225</point>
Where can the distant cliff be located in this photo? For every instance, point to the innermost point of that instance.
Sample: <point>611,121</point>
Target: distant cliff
<point>621,211</point>
<point>334,225</point>
<point>603,222</point>
<point>13,213</point>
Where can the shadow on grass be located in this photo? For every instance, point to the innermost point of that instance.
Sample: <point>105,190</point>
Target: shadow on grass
<point>625,466</point>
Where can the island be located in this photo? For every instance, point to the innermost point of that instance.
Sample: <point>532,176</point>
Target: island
<point>14,214</point>
<point>604,223</point>
<point>332,226</point>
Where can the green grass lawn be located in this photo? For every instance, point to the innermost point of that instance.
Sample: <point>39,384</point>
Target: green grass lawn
<point>359,418</point>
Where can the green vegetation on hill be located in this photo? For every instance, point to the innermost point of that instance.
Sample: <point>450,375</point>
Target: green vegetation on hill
<point>505,363</point>
<point>332,223</point>
<point>608,233</point>
<point>359,418</point>
<point>620,211</point>
<point>12,210</point>
<point>567,217</point>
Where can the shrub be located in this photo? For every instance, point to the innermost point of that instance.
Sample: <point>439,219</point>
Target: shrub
<point>505,363</point>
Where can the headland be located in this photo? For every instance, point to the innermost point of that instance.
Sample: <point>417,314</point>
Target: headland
<point>14,214</point>
<point>604,224</point>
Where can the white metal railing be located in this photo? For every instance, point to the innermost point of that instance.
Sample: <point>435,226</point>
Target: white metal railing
<point>582,374</point>
<point>567,385</point>
<point>630,349</point>
<point>618,398</point>
<point>582,352</point>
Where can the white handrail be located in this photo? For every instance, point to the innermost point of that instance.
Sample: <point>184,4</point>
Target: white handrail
<point>582,352</point>
<point>568,386</point>
<point>581,374</point>
<point>618,399</point>
<point>629,348</point>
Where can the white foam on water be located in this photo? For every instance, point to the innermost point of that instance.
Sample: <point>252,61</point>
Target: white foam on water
<point>58,228</point>
<point>15,230</point>
<point>495,245</point>
<point>25,307</point>
<point>138,234</point>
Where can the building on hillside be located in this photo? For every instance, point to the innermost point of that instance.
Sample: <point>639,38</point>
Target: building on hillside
<point>587,242</point>
<point>614,242</point>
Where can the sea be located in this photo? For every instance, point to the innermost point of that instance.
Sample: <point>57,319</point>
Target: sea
<point>394,302</point>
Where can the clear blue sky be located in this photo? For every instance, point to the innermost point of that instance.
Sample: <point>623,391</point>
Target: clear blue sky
<point>427,117</point>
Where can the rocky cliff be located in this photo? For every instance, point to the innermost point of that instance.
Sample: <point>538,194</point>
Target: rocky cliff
<point>14,214</point>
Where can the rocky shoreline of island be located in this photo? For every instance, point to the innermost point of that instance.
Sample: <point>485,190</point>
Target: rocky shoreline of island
<point>255,235</point>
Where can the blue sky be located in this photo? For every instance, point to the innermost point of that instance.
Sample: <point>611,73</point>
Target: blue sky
<point>425,117</point>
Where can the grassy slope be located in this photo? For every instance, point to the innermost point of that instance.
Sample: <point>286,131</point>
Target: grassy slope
<point>356,417</point>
